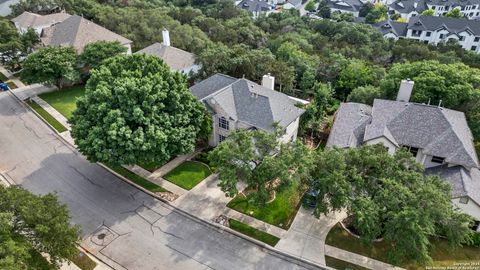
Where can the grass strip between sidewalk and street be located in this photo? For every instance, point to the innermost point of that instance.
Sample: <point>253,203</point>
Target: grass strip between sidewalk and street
<point>138,179</point>
<point>84,262</point>
<point>48,117</point>
<point>243,228</point>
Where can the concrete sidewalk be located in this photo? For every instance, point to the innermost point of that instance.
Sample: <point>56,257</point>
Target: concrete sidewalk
<point>11,77</point>
<point>173,164</point>
<point>157,180</point>
<point>52,111</point>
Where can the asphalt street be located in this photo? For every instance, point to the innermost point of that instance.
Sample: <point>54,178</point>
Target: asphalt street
<point>120,224</point>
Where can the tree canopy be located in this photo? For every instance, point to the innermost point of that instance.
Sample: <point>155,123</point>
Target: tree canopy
<point>95,53</point>
<point>389,196</point>
<point>34,224</point>
<point>256,158</point>
<point>51,65</point>
<point>136,110</point>
<point>15,46</point>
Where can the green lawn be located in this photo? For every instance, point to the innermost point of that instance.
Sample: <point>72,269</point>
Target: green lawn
<point>203,157</point>
<point>254,233</point>
<point>138,179</point>
<point>280,212</point>
<point>11,85</point>
<point>45,115</point>
<point>442,254</point>
<point>84,262</point>
<point>3,77</point>
<point>342,265</point>
<point>188,174</point>
<point>64,101</point>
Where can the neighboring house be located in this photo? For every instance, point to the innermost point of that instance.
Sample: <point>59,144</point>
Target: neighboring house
<point>407,8</point>
<point>38,22</point>
<point>176,59</point>
<point>431,29</point>
<point>63,29</point>
<point>345,6</point>
<point>438,138</point>
<point>5,9</point>
<point>78,32</point>
<point>257,7</point>
<point>292,4</point>
<point>469,8</point>
<point>392,29</point>
<point>240,103</point>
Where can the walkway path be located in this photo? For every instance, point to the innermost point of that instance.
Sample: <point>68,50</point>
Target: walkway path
<point>11,77</point>
<point>173,164</point>
<point>306,237</point>
<point>358,259</point>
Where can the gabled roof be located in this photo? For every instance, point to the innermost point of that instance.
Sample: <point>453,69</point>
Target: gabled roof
<point>454,3</point>
<point>438,131</point>
<point>464,182</point>
<point>175,58</point>
<point>255,5</point>
<point>452,25</point>
<point>349,126</point>
<point>389,26</point>
<point>78,32</point>
<point>32,20</point>
<point>407,6</point>
<point>247,102</point>
<point>347,5</point>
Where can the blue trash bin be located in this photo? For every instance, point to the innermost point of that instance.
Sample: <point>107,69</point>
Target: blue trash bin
<point>4,87</point>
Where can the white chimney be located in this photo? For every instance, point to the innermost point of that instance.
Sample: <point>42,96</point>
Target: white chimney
<point>405,91</point>
<point>166,37</point>
<point>268,81</point>
<point>415,4</point>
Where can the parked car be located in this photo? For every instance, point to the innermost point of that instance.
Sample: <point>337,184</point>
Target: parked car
<point>310,198</point>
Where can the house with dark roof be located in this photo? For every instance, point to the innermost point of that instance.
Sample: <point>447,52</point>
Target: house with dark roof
<point>438,138</point>
<point>257,7</point>
<point>176,59</point>
<point>469,8</point>
<point>433,30</point>
<point>345,6</point>
<point>408,8</point>
<point>240,103</point>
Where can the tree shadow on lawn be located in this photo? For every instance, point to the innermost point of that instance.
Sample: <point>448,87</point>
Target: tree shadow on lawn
<point>280,212</point>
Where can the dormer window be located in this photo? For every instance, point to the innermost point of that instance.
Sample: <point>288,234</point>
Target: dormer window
<point>223,123</point>
<point>438,160</point>
<point>412,150</point>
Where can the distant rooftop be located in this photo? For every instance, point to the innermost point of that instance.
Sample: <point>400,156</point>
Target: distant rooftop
<point>175,58</point>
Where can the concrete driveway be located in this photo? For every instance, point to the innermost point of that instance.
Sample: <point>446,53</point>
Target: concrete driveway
<point>306,237</point>
<point>120,224</point>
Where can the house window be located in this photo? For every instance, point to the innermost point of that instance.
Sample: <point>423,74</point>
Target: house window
<point>462,38</point>
<point>474,48</point>
<point>476,39</point>
<point>221,138</point>
<point>439,160</point>
<point>223,123</point>
<point>429,34</point>
<point>463,200</point>
<point>475,225</point>
<point>442,36</point>
<point>412,150</point>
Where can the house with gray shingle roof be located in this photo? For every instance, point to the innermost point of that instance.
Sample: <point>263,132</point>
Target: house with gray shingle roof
<point>176,59</point>
<point>433,30</point>
<point>408,8</point>
<point>345,6</point>
<point>257,7</point>
<point>438,138</point>
<point>240,103</point>
<point>38,22</point>
<point>77,32</point>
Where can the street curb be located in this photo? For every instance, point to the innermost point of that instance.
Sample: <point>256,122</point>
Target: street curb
<point>219,228</point>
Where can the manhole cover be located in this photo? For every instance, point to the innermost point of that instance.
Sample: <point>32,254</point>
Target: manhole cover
<point>103,236</point>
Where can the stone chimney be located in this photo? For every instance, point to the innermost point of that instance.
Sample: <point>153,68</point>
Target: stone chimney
<point>166,37</point>
<point>268,81</point>
<point>405,91</point>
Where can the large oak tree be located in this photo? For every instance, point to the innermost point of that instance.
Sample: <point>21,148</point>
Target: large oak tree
<point>136,110</point>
